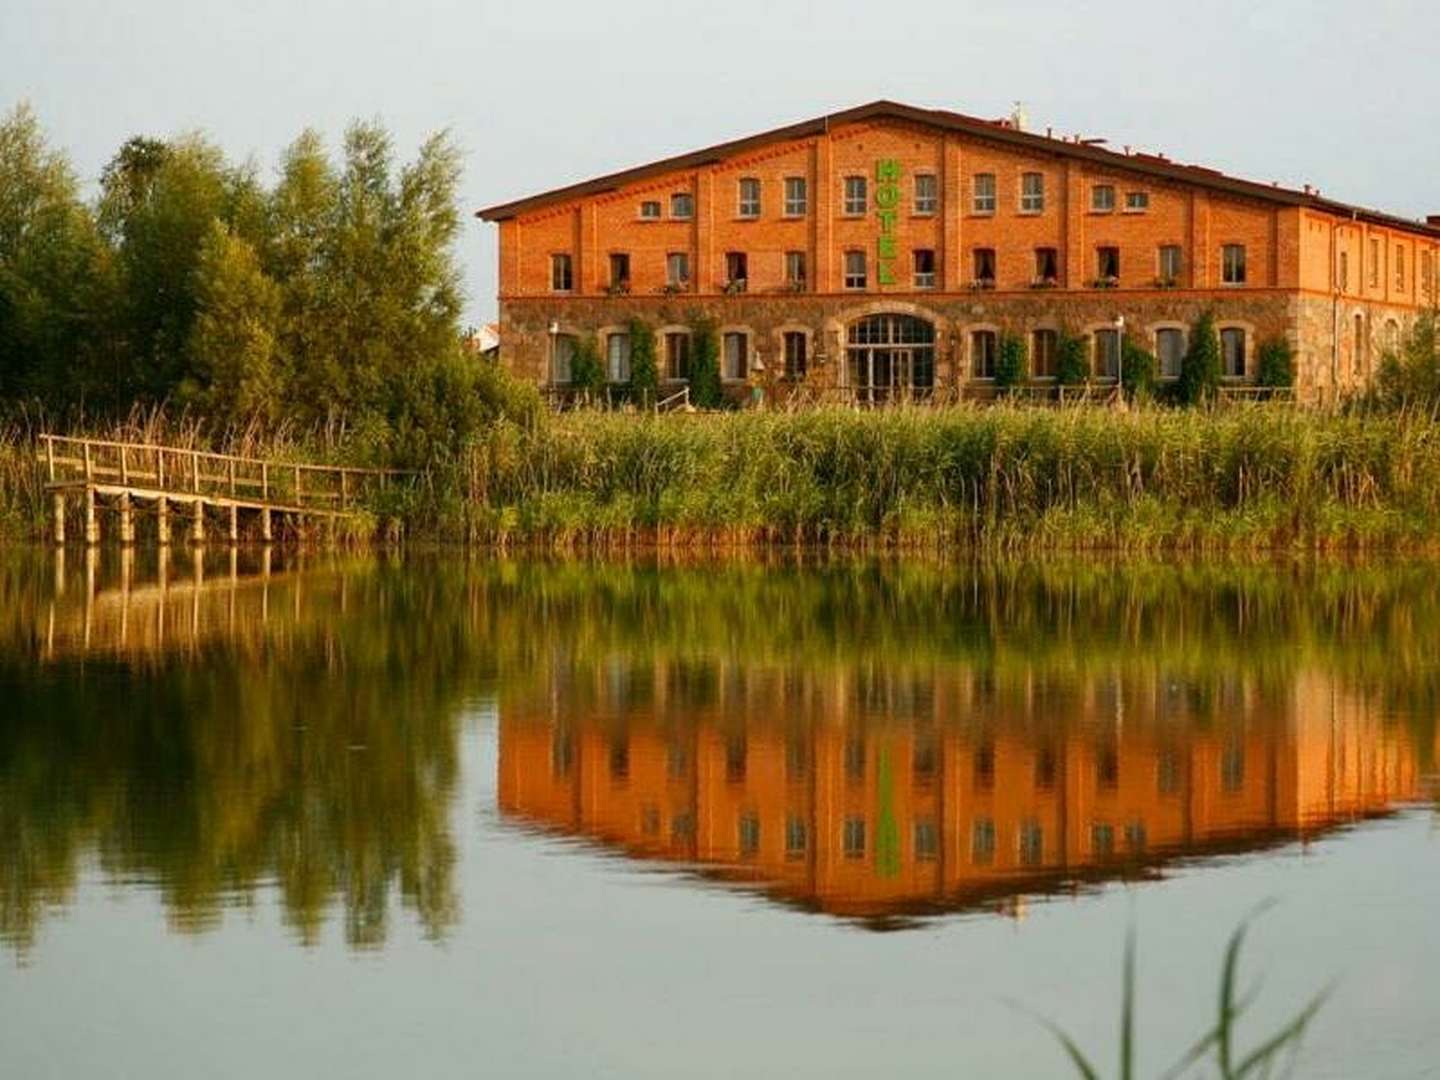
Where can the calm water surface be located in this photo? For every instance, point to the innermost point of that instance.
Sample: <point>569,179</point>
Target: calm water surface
<point>440,817</point>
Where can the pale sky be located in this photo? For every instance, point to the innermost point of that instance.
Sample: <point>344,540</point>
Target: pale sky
<point>1341,95</point>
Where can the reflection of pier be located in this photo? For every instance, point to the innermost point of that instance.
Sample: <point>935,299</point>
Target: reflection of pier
<point>129,604</point>
<point>959,803</point>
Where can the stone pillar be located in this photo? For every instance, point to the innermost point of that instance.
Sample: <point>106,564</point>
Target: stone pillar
<point>127,520</point>
<point>162,521</point>
<point>92,523</point>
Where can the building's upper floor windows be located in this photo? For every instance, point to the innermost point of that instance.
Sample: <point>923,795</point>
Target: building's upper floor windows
<point>1102,198</point>
<point>924,268</point>
<point>1107,265</point>
<point>1168,264</point>
<point>748,831</point>
<point>855,270</point>
<point>619,271</point>
<point>797,196</point>
<point>682,205</point>
<point>1374,263</point>
<point>984,261</point>
<point>1232,264</point>
<point>982,196</point>
<point>855,195</point>
<point>927,840</point>
<point>795,269</point>
<point>796,347</point>
<point>1031,843</point>
<point>1399,267</point>
<point>562,272</point>
<point>1170,351</point>
<point>749,194</point>
<point>797,838</point>
<point>927,193</point>
<point>1032,192</point>
<point>677,269</point>
<point>1137,202</point>
<point>650,210</point>
<point>1047,266</point>
<point>982,841</point>
<point>1232,350</point>
<point>854,837</point>
<point>737,271</point>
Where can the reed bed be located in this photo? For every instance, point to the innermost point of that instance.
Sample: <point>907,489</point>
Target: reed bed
<point>1002,478</point>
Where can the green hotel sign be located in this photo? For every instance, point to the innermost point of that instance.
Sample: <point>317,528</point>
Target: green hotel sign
<point>887,202</point>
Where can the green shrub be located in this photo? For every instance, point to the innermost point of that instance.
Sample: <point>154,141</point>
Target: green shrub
<point>1009,363</point>
<point>1138,368</point>
<point>1411,376</point>
<point>587,375</point>
<point>644,372</point>
<point>1072,365</point>
<point>705,366</point>
<point>1276,367</point>
<point>1200,369</point>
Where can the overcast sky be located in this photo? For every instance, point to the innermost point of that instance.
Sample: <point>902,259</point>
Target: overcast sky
<point>541,94</point>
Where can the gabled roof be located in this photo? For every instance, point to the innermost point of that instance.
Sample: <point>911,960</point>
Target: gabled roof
<point>997,131</point>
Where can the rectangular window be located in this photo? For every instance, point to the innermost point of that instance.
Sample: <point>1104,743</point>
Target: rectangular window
<point>924,268</point>
<point>736,757</point>
<point>749,197</point>
<point>983,347</point>
<point>1232,767</point>
<point>619,271</point>
<point>620,758</point>
<point>927,193</point>
<point>982,842</point>
<point>855,759</point>
<point>795,358</point>
<point>1137,202</point>
<point>1047,266</point>
<point>1044,344</point>
<point>795,269</point>
<point>682,828</point>
<point>677,356</point>
<point>737,352</point>
<point>797,837</point>
<point>1427,273</point>
<point>1399,267</point>
<point>1232,348</point>
<point>1169,264</point>
<point>797,197</point>
<point>562,358</point>
<point>797,755</point>
<point>677,269</point>
<point>617,357</point>
<point>682,205</point>
<point>1232,264</point>
<point>1102,198</point>
<point>1102,840</point>
<point>927,840</point>
<point>650,210</point>
<point>982,197</point>
<point>1374,263</point>
<point>749,830</point>
<point>562,276</point>
<point>854,837</point>
<point>855,270</point>
<point>1032,192</point>
<point>1170,351</point>
<point>1107,353</point>
<point>736,271</point>
<point>1032,844</point>
<point>985,766</point>
<point>984,259</point>
<point>1107,264</point>
<point>855,188</point>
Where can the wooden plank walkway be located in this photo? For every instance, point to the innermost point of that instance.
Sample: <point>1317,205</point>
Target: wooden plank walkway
<point>106,474</point>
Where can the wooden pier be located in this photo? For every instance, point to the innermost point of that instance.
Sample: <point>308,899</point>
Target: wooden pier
<point>123,477</point>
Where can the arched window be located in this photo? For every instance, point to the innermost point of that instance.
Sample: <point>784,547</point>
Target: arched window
<point>562,357</point>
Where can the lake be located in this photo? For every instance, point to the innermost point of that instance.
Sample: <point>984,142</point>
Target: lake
<point>274,814</point>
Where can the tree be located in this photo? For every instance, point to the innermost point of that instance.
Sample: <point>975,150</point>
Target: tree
<point>1071,364</point>
<point>1138,369</point>
<point>1411,376</point>
<point>587,375</point>
<point>1275,367</point>
<point>232,344</point>
<point>644,373</point>
<point>1200,368</point>
<point>1009,363</point>
<point>705,366</point>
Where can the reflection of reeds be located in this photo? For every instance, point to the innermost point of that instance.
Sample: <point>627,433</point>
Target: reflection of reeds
<point>1219,1041</point>
<point>1005,478</point>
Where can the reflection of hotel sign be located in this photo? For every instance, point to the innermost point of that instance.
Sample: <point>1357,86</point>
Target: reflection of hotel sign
<point>887,200</point>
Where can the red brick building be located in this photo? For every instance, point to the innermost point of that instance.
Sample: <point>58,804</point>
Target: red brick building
<point>884,251</point>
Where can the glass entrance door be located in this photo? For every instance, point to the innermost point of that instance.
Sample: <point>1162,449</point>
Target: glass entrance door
<point>891,358</point>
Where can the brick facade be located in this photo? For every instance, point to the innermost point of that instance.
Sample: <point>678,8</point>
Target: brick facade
<point>1039,253</point>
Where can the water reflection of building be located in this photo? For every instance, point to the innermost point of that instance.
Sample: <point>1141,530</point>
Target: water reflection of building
<point>960,796</point>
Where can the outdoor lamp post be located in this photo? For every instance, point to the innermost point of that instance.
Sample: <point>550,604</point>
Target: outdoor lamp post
<point>1120,353</point>
<point>554,329</point>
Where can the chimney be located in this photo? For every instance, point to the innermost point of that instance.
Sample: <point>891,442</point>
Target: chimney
<point>1433,219</point>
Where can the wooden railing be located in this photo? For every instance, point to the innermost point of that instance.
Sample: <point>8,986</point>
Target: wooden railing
<point>185,474</point>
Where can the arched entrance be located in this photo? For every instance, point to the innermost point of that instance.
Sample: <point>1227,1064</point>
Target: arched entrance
<point>890,357</point>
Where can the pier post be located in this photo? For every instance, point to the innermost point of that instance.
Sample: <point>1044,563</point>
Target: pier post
<point>57,501</point>
<point>127,520</point>
<point>267,530</point>
<point>92,523</point>
<point>162,521</point>
<point>234,530</point>
<point>197,526</point>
